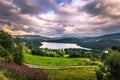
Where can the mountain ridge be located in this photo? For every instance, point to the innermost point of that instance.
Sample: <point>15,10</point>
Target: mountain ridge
<point>102,42</point>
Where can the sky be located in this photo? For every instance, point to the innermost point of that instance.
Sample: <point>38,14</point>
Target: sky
<point>60,17</point>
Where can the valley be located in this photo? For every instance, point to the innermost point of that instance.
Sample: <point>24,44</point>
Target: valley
<point>63,68</point>
<point>59,39</point>
<point>102,42</point>
<point>59,59</point>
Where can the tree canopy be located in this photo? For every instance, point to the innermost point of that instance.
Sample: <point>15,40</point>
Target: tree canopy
<point>6,41</point>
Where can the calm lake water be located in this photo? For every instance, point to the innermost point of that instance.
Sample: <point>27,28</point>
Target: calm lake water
<point>51,45</point>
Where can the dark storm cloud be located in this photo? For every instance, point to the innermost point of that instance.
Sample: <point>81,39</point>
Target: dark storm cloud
<point>40,6</point>
<point>5,10</point>
<point>27,6</point>
<point>6,13</point>
<point>56,31</point>
<point>90,8</point>
<point>104,8</point>
<point>34,6</point>
<point>9,14</point>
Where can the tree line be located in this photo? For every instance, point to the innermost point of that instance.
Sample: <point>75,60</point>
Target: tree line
<point>72,52</point>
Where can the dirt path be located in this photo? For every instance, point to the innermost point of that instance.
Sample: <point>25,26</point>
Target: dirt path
<point>55,67</point>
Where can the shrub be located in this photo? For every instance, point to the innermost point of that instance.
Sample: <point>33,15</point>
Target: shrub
<point>111,68</point>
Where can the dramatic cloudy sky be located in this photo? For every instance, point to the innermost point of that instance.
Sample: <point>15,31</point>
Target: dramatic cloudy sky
<point>60,17</point>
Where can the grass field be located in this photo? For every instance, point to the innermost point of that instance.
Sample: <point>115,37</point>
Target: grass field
<point>52,61</point>
<point>82,73</point>
<point>72,74</point>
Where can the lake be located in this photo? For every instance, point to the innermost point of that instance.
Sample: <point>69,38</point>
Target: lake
<point>51,45</point>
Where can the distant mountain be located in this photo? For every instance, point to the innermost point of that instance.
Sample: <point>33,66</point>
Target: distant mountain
<point>100,42</point>
<point>110,36</point>
<point>70,36</point>
<point>73,36</point>
<point>65,40</point>
<point>33,37</point>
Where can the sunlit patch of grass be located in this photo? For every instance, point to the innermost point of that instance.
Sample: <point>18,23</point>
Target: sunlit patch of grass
<point>53,61</point>
<point>72,74</point>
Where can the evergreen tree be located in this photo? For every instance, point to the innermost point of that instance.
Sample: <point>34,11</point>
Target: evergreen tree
<point>18,55</point>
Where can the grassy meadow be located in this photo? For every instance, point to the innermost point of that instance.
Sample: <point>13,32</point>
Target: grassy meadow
<point>53,61</point>
<point>72,74</point>
<point>81,73</point>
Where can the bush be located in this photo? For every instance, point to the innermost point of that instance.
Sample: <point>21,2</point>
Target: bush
<point>44,52</point>
<point>111,68</point>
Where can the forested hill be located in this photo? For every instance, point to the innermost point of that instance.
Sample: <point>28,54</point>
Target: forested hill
<point>32,39</point>
<point>65,40</point>
<point>110,36</point>
<point>100,42</point>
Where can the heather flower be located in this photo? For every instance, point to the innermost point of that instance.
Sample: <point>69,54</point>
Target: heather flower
<point>22,72</point>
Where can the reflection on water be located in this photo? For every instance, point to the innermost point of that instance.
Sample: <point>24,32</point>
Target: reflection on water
<point>51,45</point>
